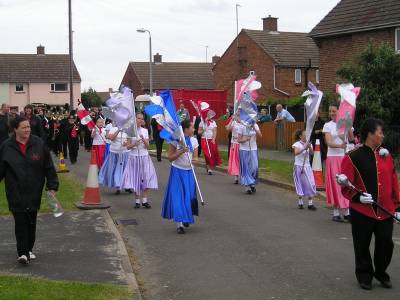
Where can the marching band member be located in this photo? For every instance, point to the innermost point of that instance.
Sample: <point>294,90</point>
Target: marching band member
<point>99,141</point>
<point>370,168</point>
<point>115,163</point>
<point>336,151</point>
<point>72,136</point>
<point>234,163</point>
<point>180,200</point>
<point>248,156</point>
<point>139,174</point>
<point>208,142</point>
<point>303,176</point>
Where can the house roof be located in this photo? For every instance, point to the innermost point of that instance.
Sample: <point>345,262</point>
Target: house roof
<point>35,68</point>
<point>291,49</point>
<point>358,15</point>
<point>176,75</point>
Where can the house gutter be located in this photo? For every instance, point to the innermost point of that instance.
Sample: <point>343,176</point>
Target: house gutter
<point>275,88</point>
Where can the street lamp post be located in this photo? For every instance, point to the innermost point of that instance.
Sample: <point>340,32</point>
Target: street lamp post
<point>142,30</point>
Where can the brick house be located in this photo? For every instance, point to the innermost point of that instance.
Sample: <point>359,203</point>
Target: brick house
<point>36,78</point>
<point>347,30</point>
<point>168,75</point>
<point>283,61</point>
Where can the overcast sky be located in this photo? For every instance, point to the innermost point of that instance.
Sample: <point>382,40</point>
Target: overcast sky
<point>105,37</point>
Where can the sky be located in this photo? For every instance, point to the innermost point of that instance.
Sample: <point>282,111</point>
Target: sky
<point>105,37</point>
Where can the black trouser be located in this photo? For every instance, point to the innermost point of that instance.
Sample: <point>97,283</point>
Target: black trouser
<point>198,136</point>
<point>159,144</point>
<point>73,148</point>
<point>64,146</point>
<point>25,231</point>
<point>362,228</point>
<point>229,143</point>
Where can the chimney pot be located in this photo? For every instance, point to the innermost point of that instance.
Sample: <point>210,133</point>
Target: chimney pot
<point>157,58</point>
<point>215,59</point>
<point>270,23</point>
<point>110,90</point>
<point>40,50</point>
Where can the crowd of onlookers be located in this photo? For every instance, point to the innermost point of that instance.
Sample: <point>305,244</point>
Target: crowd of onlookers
<point>60,129</point>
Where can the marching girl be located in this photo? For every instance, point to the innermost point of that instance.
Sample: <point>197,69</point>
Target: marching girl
<point>335,155</point>
<point>234,163</point>
<point>248,156</point>
<point>180,200</point>
<point>303,176</point>
<point>115,163</point>
<point>209,144</point>
<point>108,127</point>
<point>99,141</point>
<point>139,174</point>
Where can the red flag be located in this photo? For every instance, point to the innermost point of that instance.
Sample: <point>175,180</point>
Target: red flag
<point>85,117</point>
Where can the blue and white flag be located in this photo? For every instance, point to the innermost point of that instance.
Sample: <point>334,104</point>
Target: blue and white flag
<point>164,112</point>
<point>248,112</point>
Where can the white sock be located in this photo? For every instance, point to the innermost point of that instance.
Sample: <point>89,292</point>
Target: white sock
<point>301,201</point>
<point>346,211</point>
<point>137,201</point>
<point>144,200</point>
<point>179,224</point>
<point>310,201</point>
<point>336,212</point>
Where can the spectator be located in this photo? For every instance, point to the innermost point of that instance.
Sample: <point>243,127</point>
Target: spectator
<point>183,113</point>
<point>264,117</point>
<point>318,134</point>
<point>34,121</point>
<point>24,186</point>
<point>283,115</point>
<point>4,122</point>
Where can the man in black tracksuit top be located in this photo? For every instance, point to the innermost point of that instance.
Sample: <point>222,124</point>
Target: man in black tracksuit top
<point>25,164</point>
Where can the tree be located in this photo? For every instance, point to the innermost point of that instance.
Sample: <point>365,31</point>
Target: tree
<point>90,98</point>
<point>377,71</point>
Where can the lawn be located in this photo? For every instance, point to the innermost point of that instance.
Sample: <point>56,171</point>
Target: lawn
<point>21,288</point>
<point>279,170</point>
<point>70,191</point>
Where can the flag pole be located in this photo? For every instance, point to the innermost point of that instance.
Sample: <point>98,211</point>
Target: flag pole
<point>191,166</point>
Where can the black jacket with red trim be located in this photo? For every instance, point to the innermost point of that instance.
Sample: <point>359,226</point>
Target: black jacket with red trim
<point>375,174</point>
<point>25,175</point>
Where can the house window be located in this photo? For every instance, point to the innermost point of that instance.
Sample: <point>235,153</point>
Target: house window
<point>317,76</point>
<point>59,87</point>
<point>297,76</point>
<point>397,40</point>
<point>19,87</point>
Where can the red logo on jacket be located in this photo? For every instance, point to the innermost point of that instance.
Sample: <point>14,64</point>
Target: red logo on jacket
<point>35,157</point>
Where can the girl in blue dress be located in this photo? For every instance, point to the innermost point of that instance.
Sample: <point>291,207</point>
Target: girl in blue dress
<point>180,200</point>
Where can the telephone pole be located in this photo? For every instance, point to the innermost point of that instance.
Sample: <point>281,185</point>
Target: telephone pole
<point>71,69</point>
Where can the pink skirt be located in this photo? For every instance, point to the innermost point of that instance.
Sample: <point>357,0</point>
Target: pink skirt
<point>234,163</point>
<point>100,150</point>
<point>334,195</point>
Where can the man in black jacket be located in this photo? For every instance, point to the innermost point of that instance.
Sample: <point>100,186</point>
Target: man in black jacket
<point>25,164</point>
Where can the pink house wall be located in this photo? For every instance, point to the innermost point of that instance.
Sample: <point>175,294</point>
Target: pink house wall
<point>40,93</point>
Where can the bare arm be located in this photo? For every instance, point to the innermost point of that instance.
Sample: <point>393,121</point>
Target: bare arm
<point>113,136</point>
<point>195,154</point>
<point>331,144</point>
<point>174,153</point>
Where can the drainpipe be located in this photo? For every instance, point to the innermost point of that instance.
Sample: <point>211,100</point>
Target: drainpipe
<point>29,92</point>
<point>275,88</point>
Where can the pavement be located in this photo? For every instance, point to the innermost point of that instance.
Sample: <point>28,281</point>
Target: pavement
<point>78,246</point>
<point>241,247</point>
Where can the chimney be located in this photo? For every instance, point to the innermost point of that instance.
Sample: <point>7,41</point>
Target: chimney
<point>215,59</point>
<point>270,24</point>
<point>110,90</point>
<point>40,50</point>
<point>157,58</point>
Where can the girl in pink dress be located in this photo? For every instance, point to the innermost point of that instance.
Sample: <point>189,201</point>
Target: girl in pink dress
<point>335,155</point>
<point>234,163</point>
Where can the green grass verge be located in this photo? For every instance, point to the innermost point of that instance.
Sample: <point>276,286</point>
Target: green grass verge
<point>70,191</point>
<point>280,170</point>
<point>27,288</point>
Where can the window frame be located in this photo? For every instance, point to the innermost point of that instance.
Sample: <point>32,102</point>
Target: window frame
<point>54,90</point>
<point>19,84</point>
<point>317,76</point>
<point>295,76</point>
<point>397,40</point>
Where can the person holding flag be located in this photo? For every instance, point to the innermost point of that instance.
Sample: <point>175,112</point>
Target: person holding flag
<point>180,199</point>
<point>234,162</point>
<point>99,141</point>
<point>208,139</point>
<point>139,174</point>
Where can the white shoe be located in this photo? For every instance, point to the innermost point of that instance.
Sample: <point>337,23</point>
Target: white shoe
<point>32,256</point>
<point>23,260</point>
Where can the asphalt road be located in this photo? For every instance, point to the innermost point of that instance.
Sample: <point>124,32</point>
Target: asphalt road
<point>242,246</point>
